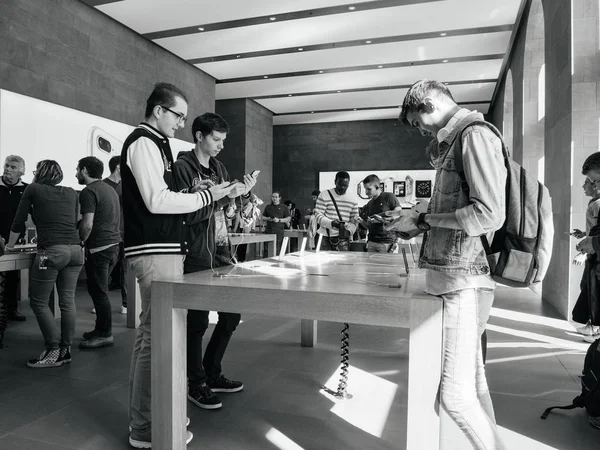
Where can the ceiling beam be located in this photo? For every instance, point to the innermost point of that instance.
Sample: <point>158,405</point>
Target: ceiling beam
<point>366,108</point>
<point>355,43</point>
<point>275,18</point>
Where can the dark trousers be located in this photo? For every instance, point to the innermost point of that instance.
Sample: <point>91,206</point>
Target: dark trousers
<point>199,369</point>
<point>118,275</point>
<point>97,269</point>
<point>11,290</point>
<point>335,244</point>
<point>279,234</point>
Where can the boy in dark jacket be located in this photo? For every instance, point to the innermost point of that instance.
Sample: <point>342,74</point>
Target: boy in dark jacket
<point>206,235</point>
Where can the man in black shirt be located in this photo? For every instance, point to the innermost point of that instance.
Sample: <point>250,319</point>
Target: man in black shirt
<point>99,229</point>
<point>380,240</point>
<point>119,272</point>
<point>276,216</point>
<point>11,189</point>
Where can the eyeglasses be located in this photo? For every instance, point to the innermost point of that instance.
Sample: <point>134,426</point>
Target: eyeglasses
<point>180,117</point>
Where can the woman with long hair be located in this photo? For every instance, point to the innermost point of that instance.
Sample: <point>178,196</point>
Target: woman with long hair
<point>59,258</point>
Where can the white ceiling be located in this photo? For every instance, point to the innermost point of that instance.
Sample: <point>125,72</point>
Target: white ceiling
<point>300,59</point>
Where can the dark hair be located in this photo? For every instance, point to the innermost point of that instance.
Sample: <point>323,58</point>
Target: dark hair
<point>276,192</point>
<point>418,92</point>
<point>207,123</point>
<point>113,163</point>
<point>289,203</point>
<point>163,94</point>
<point>342,174</point>
<point>371,179</point>
<point>94,166</point>
<point>592,162</point>
<point>315,192</point>
<point>49,172</point>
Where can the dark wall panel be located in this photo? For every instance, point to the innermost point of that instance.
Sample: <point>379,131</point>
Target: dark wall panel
<point>300,152</point>
<point>68,53</point>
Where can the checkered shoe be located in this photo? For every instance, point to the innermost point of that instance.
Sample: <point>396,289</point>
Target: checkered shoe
<point>48,358</point>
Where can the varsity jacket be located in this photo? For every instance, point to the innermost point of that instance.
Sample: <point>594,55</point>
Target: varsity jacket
<point>152,209</point>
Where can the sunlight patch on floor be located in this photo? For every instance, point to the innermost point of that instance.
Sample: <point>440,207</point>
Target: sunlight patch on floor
<point>372,398</point>
<point>531,318</point>
<point>281,441</point>
<point>561,343</point>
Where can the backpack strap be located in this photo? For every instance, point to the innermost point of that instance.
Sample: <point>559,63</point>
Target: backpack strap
<point>460,167</point>
<point>336,208</point>
<point>545,414</point>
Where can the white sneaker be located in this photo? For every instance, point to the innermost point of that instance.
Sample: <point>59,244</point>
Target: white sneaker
<point>93,311</point>
<point>588,329</point>
<point>123,309</point>
<point>591,338</point>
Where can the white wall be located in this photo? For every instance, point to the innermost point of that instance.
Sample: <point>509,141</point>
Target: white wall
<point>36,130</point>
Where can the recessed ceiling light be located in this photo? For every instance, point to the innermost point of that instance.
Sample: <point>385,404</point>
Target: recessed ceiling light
<point>443,34</point>
<point>445,61</point>
<point>200,29</point>
<point>272,18</point>
<point>312,112</point>
<point>300,49</point>
<point>339,91</point>
<point>351,8</point>
<point>367,42</point>
<point>354,109</point>
<point>266,76</point>
<point>238,56</point>
<point>380,67</point>
<point>320,71</point>
<point>289,95</point>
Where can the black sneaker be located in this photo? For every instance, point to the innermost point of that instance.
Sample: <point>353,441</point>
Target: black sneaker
<point>223,384</point>
<point>65,355</point>
<point>204,398</point>
<point>48,358</point>
<point>89,334</point>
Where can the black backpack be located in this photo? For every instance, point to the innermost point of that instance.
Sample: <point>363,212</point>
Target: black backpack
<point>590,384</point>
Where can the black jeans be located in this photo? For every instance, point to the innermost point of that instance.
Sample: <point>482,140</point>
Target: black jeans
<point>200,370</point>
<point>119,272</point>
<point>11,289</point>
<point>97,269</point>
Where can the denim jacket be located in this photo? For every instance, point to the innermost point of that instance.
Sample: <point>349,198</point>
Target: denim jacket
<point>479,203</point>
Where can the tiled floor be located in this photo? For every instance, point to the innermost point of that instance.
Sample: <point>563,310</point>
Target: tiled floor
<point>533,363</point>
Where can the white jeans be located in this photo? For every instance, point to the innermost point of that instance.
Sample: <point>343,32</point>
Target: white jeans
<point>464,392</point>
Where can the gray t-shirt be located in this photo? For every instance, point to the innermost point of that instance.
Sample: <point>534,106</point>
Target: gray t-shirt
<point>101,200</point>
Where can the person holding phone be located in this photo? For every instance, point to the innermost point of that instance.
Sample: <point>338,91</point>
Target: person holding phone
<point>209,247</point>
<point>154,220</point>
<point>379,239</point>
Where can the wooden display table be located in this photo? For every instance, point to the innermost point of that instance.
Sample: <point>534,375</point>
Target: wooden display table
<point>332,286</point>
<point>134,301</point>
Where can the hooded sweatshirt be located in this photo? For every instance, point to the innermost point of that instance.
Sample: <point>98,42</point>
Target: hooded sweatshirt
<point>199,232</point>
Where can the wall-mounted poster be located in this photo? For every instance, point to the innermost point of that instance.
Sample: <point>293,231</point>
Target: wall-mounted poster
<point>382,187</point>
<point>399,188</point>
<point>423,188</point>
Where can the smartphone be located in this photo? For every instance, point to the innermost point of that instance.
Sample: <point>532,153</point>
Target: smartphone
<point>254,173</point>
<point>103,145</point>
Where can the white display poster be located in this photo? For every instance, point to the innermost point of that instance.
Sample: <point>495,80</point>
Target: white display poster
<point>35,130</point>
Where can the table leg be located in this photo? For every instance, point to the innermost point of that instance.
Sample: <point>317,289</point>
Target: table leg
<point>169,367</point>
<point>134,300</point>
<point>271,247</point>
<point>308,333</point>
<point>424,374</point>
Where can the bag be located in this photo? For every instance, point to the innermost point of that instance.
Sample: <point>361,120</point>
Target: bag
<point>343,233</point>
<point>519,254</point>
<point>590,384</point>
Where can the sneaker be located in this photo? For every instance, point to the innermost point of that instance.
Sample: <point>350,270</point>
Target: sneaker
<point>223,384</point>
<point>48,358</point>
<point>595,422</point>
<point>591,338</point>
<point>65,355</point>
<point>143,439</point>
<point>204,398</point>
<point>93,311</point>
<point>97,342</point>
<point>89,334</point>
<point>588,329</point>
<point>123,309</point>
<point>187,424</point>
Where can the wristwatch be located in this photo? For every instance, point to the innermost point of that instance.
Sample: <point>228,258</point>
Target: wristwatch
<point>421,224</point>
